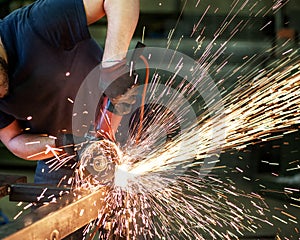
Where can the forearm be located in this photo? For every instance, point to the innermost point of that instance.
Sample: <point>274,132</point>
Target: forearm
<point>32,146</point>
<point>122,16</point>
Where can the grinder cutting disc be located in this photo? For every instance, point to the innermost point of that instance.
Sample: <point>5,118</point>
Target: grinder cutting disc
<point>99,159</point>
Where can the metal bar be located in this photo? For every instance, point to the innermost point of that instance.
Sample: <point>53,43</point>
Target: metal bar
<point>56,220</point>
<point>35,192</point>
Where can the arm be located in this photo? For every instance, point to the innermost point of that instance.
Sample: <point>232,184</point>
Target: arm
<point>122,17</point>
<point>26,146</point>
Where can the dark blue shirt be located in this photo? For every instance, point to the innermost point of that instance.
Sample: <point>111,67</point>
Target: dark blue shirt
<point>50,52</point>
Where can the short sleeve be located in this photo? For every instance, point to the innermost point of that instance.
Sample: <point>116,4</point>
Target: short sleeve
<point>60,23</point>
<point>5,119</point>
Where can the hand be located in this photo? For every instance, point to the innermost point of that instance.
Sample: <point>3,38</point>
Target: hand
<point>118,84</point>
<point>71,144</point>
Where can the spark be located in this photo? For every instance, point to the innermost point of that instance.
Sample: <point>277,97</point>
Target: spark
<point>279,219</point>
<point>143,34</point>
<point>200,20</point>
<point>295,205</point>
<point>170,188</point>
<point>159,184</point>
<point>253,116</point>
<point>288,51</point>
<point>19,213</point>
<point>42,194</point>
<point>289,215</point>
<point>31,143</point>
<point>70,100</point>
<point>81,212</point>
<point>28,206</point>
<point>268,23</point>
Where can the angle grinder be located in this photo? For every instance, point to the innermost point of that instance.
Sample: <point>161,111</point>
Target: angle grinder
<point>99,159</point>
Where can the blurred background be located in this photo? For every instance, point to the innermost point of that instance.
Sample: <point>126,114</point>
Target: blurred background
<point>267,29</point>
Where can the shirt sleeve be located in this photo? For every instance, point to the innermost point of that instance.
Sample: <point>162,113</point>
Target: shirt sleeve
<point>62,23</point>
<point>5,119</point>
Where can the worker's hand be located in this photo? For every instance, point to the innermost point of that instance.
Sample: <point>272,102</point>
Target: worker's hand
<point>72,145</point>
<point>118,84</point>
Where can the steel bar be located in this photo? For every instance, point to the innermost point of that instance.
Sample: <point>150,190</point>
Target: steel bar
<point>56,220</point>
<point>35,192</point>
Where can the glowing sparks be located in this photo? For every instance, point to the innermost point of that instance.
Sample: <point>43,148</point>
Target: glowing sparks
<point>32,143</point>
<point>167,184</point>
<point>70,100</point>
<point>19,214</point>
<point>160,184</point>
